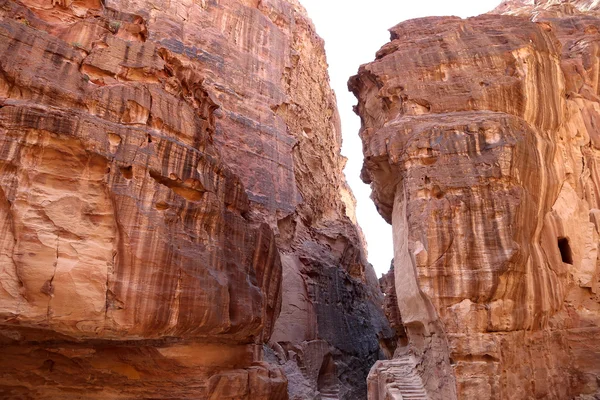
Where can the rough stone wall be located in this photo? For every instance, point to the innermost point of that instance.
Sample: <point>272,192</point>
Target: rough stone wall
<point>161,164</point>
<point>480,146</point>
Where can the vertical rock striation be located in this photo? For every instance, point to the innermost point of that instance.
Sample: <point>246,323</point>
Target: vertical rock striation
<point>130,267</point>
<point>173,210</point>
<point>479,144</point>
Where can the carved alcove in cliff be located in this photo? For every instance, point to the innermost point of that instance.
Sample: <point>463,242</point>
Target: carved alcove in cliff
<point>565,250</point>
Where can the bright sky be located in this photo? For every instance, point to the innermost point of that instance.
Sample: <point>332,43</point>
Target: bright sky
<point>353,31</point>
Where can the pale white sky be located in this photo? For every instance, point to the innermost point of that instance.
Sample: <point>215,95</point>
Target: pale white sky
<point>353,31</point>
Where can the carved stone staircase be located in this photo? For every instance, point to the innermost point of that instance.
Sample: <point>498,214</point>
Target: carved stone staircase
<point>396,380</point>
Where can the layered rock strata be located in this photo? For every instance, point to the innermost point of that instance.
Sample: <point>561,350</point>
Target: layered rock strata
<point>480,144</point>
<point>161,164</point>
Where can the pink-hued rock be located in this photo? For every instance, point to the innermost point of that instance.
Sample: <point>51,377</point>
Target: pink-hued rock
<point>161,164</point>
<point>479,144</point>
<point>122,227</point>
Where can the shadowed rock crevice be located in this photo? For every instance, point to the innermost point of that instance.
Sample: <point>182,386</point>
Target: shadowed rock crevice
<point>565,250</point>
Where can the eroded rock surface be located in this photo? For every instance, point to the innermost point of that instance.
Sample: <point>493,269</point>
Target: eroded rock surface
<point>161,164</point>
<point>480,146</point>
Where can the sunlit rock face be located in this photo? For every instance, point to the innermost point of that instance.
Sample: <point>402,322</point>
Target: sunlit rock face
<point>161,164</point>
<point>480,146</point>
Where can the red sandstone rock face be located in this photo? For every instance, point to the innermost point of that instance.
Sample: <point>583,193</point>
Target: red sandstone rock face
<point>160,165</point>
<point>479,139</point>
<point>120,222</point>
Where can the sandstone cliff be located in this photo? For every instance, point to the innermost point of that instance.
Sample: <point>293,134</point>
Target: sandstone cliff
<point>481,146</point>
<point>174,218</point>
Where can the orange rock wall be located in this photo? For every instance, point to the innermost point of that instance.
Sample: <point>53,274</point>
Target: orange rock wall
<point>479,147</point>
<point>170,184</point>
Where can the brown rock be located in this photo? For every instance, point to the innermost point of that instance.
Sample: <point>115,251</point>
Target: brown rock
<point>392,313</point>
<point>123,231</point>
<point>160,165</point>
<point>478,138</point>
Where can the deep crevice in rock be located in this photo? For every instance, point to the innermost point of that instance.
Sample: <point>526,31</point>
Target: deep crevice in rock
<point>565,250</point>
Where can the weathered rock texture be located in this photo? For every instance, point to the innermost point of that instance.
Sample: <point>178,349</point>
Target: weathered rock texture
<point>481,146</point>
<point>161,164</point>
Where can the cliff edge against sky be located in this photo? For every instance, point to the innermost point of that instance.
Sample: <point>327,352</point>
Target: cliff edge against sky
<point>174,218</point>
<point>481,146</point>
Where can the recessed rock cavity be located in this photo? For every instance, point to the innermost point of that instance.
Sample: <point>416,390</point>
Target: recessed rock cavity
<point>174,220</point>
<point>481,144</point>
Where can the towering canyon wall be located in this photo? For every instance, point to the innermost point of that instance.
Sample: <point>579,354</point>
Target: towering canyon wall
<point>481,146</point>
<point>174,218</point>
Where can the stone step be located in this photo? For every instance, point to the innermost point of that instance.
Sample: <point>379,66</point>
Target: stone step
<point>407,381</point>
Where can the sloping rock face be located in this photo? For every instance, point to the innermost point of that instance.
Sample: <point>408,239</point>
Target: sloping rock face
<point>480,144</point>
<point>167,171</point>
